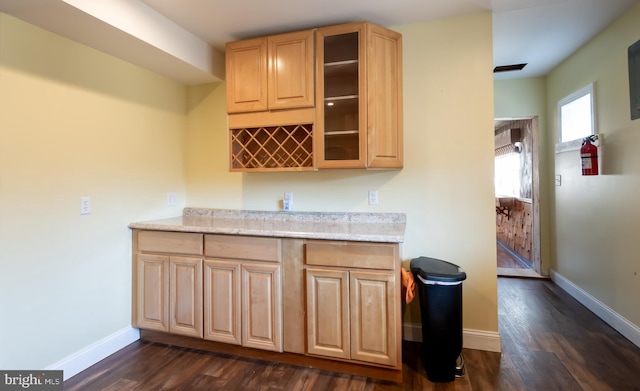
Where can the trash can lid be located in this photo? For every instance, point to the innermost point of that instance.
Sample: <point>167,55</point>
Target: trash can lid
<point>437,270</point>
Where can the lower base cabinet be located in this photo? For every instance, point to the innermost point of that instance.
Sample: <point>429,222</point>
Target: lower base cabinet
<point>225,300</point>
<point>353,301</point>
<point>351,315</point>
<point>169,294</point>
<point>342,300</point>
<point>242,304</point>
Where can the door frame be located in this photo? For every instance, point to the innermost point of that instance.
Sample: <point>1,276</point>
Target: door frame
<point>536,253</point>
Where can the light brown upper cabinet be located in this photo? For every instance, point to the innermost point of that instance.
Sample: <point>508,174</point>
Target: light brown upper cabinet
<point>270,73</point>
<point>329,98</point>
<point>359,97</point>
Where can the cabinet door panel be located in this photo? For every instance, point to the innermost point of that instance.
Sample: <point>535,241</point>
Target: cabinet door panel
<point>340,140</point>
<point>373,300</point>
<point>358,128</point>
<point>186,296</point>
<point>222,301</point>
<point>328,312</point>
<point>261,306</point>
<point>152,292</point>
<point>246,72</point>
<point>291,70</point>
<point>384,73</point>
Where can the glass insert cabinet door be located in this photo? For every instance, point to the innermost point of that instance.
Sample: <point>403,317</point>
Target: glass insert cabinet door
<point>341,98</point>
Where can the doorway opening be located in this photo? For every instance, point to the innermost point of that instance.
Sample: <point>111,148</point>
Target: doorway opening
<point>517,187</point>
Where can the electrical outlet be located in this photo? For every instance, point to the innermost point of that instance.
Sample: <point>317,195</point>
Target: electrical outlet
<point>287,203</point>
<point>373,197</point>
<point>85,205</point>
<point>172,199</point>
<point>558,180</point>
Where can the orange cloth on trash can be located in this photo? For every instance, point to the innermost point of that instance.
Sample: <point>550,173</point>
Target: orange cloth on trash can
<point>409,284</point>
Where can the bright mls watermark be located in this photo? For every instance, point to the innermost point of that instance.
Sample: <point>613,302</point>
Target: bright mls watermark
<point>31,380</point>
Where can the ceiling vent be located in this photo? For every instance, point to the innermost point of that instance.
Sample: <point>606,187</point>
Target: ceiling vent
<point>509,68</point>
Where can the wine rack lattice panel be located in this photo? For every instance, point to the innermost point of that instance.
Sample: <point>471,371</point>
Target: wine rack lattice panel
<point>276,147</point>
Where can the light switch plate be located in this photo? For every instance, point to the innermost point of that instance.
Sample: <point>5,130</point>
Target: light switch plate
<point>85,205</point>
<point>373,197</point>
<point>558,180</point>
<point>287,202</point>
<point>172,199</point>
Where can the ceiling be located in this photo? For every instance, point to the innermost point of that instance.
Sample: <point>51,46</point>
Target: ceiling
<point>185,39</point>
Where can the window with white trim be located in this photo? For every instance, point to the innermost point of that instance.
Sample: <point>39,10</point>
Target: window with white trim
<point>507,175</point>
<point>576,115</point>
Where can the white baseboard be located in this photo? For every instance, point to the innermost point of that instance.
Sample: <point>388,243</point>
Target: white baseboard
<point>99,350</point>
<point>482,340</point>
<point>612,318</point>
<point>412,332</point>
<point>471,339</point>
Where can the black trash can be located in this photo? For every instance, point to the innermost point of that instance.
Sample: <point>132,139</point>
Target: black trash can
<point>439,286</point>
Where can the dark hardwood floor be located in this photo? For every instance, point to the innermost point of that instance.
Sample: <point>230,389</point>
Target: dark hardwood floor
<point>507,260</point>
<point>549,342</point>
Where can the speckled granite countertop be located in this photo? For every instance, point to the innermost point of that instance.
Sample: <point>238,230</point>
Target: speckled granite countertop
<point>366,227</point>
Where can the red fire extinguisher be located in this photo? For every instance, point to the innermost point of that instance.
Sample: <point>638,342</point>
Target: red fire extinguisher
<point>589,156</point>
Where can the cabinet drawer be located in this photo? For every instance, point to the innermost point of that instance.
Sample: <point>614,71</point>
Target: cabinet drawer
<point>242,247</point>
<point>363,255</point>
<point>170,242</point>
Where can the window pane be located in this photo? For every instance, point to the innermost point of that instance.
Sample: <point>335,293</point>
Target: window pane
<point>507,175</point>
<point>576,119</point>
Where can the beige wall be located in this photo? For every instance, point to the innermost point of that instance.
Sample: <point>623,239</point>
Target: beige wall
<point>525,98</point>
<point>446,186</point>
<point>75,122</point>
<point>595,242</point>
<point>520,98</point>
<point>209,182</point>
